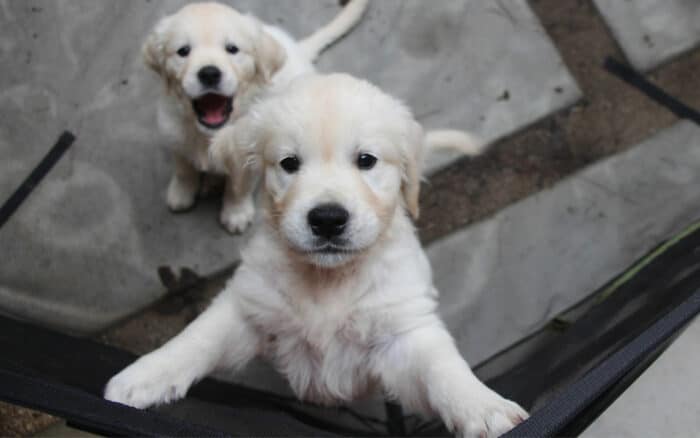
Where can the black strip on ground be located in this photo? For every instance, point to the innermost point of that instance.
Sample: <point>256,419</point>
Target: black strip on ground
<point>395,420</point>
<point>635,79</point>
<point>576,398</point>
<point>94,412</point>
<point>13,203</point>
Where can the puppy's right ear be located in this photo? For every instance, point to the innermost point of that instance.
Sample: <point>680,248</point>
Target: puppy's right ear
<point>270,56</point>
<point>153,49</point>
<point>412,160</point>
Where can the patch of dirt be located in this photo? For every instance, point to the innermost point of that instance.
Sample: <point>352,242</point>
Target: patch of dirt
<point>20,422</point>
<point>165,319</point>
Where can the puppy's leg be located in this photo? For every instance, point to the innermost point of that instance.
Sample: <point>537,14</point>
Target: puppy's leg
<point>238,206</point>
<point>424,370</point>
<point>184,185</point>
<point>218,338</point>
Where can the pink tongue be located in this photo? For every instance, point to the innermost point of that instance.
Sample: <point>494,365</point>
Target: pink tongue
<point>214,109</point>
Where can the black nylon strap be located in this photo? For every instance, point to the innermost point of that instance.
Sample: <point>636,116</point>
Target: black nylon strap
<point>91,411</point>
<point>633,78</point>
<point>563,408</point>
<point>17,198</point>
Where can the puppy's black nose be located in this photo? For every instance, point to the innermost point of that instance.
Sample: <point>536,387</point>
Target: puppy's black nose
<point>328,220</point>
<point>209,76</point>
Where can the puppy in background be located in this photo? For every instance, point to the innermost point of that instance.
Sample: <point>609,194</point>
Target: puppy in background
<point>214,62</point>
<point>334,288</point>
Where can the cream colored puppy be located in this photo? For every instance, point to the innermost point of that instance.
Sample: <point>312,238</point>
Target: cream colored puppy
<point>334,288</point>
<point>214,62</point>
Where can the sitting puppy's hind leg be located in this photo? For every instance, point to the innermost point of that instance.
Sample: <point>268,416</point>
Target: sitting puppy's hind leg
<point>183,187</point>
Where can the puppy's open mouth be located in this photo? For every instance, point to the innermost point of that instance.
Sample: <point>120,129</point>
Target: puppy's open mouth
<point>213,110</point>
<point>331,248</point>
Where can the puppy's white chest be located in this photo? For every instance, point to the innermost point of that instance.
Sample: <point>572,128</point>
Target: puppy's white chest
<point>321,352</point>
<point>197,152</point>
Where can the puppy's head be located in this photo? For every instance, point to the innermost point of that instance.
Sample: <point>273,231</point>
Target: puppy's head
<point>210,55</point>
<point>339,157</point>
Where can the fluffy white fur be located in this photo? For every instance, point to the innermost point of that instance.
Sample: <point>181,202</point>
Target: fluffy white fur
<point>337,316</point>
<point>251,57</point>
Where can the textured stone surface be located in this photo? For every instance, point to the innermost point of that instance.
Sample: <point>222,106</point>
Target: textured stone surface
<point>663,401</point>
<point>482,65</point>
<point>84,249</point>
<point>507,276</point>
<point>652,32</point>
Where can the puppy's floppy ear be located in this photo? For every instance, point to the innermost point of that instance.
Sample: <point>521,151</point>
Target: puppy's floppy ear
<point>412,162</point>
<point>270,56</point>
<point>153,49</point>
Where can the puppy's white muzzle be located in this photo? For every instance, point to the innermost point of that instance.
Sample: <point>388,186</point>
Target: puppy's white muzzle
<point>211,90</point>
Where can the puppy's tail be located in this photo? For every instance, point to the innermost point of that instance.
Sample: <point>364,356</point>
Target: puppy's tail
<point>314,44</point>
<point>460,141</point>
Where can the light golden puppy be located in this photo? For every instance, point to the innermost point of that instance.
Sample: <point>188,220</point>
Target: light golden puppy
<point>214,62</point>
<point>334,288</point>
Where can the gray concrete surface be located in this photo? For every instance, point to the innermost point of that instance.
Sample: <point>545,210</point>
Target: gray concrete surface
<point>482,65</point>
<point>663,402</point>
<point>652,32</point>
<point>506,277</point>
<point>83,250</point>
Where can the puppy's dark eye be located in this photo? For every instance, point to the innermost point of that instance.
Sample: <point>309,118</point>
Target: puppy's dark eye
<point>184,51</point>
<point>366,161</point>
<point>230,48</point>
<point>290,164</point>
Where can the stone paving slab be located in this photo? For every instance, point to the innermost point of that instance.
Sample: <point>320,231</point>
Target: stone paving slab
<point>663,401</point>
<point>84,249</point>
<point>652,32</point>
<point>508,276</point>
<point>482,65</point>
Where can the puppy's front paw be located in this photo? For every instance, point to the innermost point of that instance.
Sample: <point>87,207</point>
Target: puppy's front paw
<point>489,416</point>
<point>236,218</point>
<point>181,194</point>
<point>145,383</point>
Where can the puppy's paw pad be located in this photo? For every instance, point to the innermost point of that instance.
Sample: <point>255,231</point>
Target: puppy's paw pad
<point>237,219</point>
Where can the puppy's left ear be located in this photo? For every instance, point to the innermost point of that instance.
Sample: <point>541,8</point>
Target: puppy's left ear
<point>412,157</point>
<point>270,56</point>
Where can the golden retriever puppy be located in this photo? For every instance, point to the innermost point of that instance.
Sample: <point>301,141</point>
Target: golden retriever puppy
<point>334,288</point>
<point>213,62</point>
